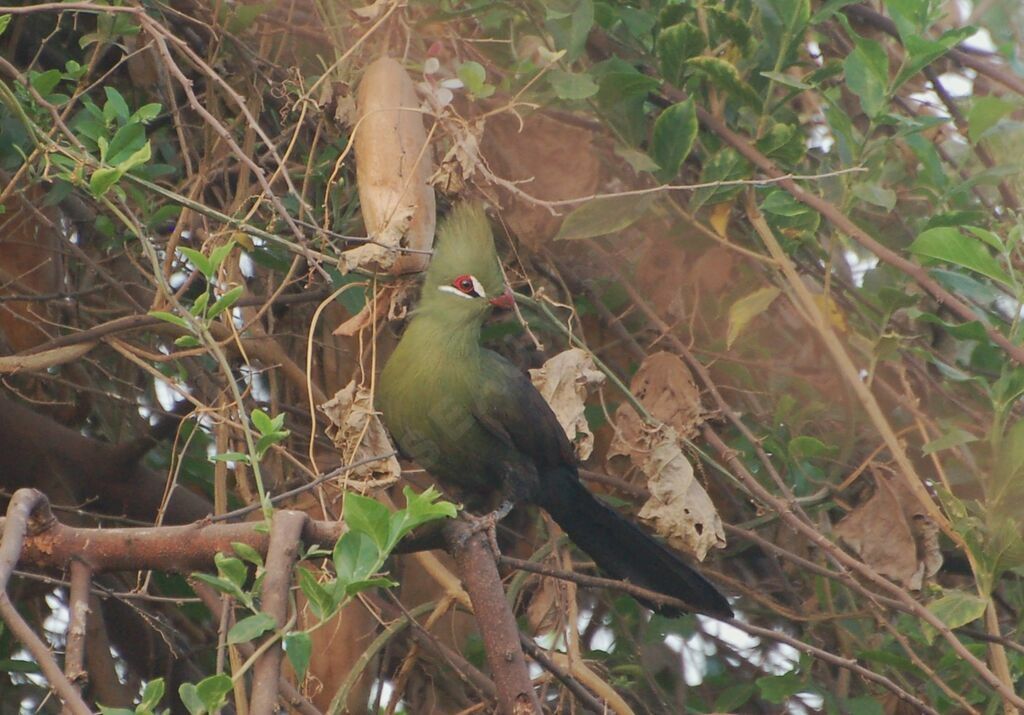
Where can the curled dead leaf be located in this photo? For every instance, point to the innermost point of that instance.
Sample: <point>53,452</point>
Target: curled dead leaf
<point>357,432</point>
<point>666,388</point>
<point>679,509</point>
<point>565,381</point>
<point>891,534</point>
<point>393,169</point>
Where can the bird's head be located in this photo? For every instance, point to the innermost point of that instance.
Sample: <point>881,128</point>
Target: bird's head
<point>465,275</point>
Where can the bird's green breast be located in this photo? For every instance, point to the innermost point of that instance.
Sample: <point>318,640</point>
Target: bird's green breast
<point>426,396</point>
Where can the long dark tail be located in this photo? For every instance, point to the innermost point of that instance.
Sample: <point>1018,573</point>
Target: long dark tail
<point>621,549</point>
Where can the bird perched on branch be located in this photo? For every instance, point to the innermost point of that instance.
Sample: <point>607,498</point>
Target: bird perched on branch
<point>474,421</point>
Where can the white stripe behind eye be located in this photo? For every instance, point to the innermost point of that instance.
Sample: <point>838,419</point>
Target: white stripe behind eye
<point>478,287</point>
<point>454,291</point>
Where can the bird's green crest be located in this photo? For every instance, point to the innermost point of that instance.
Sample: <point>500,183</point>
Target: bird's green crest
<point>465,247</point>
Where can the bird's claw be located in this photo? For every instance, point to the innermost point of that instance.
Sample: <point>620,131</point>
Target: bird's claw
<point>488,523</point>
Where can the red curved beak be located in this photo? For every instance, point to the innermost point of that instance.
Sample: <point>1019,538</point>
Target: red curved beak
<point>505,301</point>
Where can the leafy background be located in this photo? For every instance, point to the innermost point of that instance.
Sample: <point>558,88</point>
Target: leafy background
<point>814,207</point>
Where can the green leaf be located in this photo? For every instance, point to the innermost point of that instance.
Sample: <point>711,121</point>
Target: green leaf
<point>580,24</point>
<point>921,51</point>
<point>946,243</point>
<point>368,516</point>
<point>805,447</point>
<point>102,179</point>
<point>198,308</point>
<point>746,309</point>
<point>299,647</point>
<point>137,158</point>
<point>675,45</point>
<point>474,77</point>
<point>230,457</point>
<point>867,75</point>
<point>116,107</point>
<point>262,421</point>
<point>16,665</point>
<point>734,697</point>
<point>572,85</point>
<point>786,80</point>
<point>829,8</point>
<point>225,301</point>
<point>729,25</point>
<point>985,113</point>
<point>220,253</point>
<point>779,688</point>
<point>189,695</point>
<point>987,236</point>
<point>5,20</point>
<point>152,694</point>
<point>953,438</point>
<point>724,165</point>
<point>724,75</point>
<point>146,113</point>
<point>126,141</point>
<point>169,318</point>
<point>864,705</point>
<point>221,584</point>
<point>211,691</point>
<point>640,161</point>
<point>320,599</point>
<point>419,509</point>
<point>197,259</point>
<point>955,609</point>
<point>782,203</point>
<point>356,557</point>
<point>623,86</point>
<point>247,553</point>
<point>875,193</point>
<point>674,133</point>
<point>45,82</point>
<point>251,627</point>
<point>354,587</point>
<point>602,216</point>
<point>231,568</point>
<point>266,441</point>
<point>187,342</point>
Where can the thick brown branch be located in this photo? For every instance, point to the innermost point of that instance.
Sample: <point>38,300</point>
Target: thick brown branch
<point>167,548</point>
<point>285,533</point>
<point>497,623</point>
<point>78,607</point>
<point>28,511</point>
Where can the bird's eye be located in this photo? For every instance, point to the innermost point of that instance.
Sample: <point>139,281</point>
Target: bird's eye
<point>468,285</point>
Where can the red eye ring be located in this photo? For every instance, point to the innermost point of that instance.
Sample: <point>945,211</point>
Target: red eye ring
<point>466,284</point>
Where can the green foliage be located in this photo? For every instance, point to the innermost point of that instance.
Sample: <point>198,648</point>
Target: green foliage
<point>824,95</point>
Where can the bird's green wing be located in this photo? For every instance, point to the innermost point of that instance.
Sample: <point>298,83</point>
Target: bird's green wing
<point>508,406</point>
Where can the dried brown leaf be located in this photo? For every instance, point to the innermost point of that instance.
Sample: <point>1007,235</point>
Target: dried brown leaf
<point>357,432</point>
<point>565,381</point>
<point>666,388</point>
<point>679,509</point>
<point>890,534</point>
<point>393,169</point>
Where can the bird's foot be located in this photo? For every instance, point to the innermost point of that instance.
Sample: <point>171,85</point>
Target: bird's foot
<point>488,523</point>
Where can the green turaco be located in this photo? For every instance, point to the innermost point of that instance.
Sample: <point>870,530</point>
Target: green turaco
<point>473,419</point>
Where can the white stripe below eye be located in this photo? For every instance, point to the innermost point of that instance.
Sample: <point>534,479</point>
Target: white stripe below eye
<point>454,291</point>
